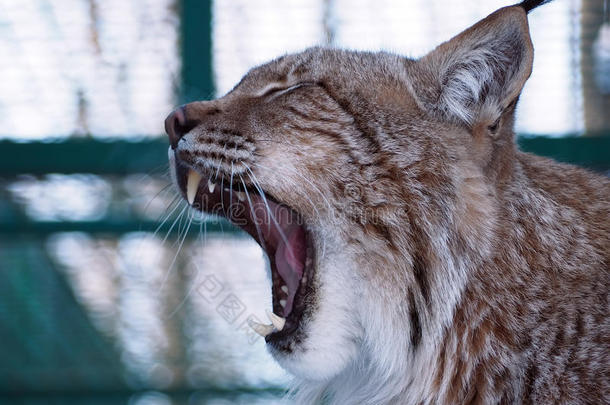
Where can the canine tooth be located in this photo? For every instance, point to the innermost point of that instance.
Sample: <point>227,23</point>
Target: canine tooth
<point>211,186</point>
<point>192,184</point>
<point>276,320</point>
<point>283,303</point>
<point>259,328</point>
<point>227,189</point>
<point>284,288</point>
<point>241,195</point>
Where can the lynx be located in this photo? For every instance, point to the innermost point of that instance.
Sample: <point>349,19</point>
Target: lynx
<point>417,256</point>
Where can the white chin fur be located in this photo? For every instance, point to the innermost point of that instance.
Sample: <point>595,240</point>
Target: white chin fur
<point>332,332</point>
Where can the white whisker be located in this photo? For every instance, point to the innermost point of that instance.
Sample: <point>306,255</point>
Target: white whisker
<point>277,225</point>
<point>176,203</point>
<point>205,228</point>
<point>231,186</point>
<point>218,168</point>
<point>308,181</point>
<point>158,194</point>
<point>222,192</point>
<point>258,231</point>
<point>309,199</point>
<point>193,285</point>
<point>173,224</point>
<point>260,191</point>
<point>171,265</point>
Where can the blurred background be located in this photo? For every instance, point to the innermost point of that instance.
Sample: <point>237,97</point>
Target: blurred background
<point>111,290</point>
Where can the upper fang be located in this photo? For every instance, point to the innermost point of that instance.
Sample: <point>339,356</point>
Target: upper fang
<point>192,185</point>
<point>211,186</point>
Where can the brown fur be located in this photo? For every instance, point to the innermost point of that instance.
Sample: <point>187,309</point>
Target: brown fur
<point>489,266</point>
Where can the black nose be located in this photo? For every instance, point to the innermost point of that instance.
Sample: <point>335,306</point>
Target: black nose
<point>176,125</point>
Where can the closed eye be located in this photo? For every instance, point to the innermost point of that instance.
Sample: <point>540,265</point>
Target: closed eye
<point>274,92</point>
<point>278,91</point>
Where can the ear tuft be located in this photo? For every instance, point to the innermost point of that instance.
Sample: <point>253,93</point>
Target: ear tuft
<point>529,5</point>
<point>478,73</point>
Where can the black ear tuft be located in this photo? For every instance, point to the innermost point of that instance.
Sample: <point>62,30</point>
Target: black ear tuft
<point>529,5</point>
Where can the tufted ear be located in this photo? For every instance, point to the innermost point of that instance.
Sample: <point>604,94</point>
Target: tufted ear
<point>477,74</point>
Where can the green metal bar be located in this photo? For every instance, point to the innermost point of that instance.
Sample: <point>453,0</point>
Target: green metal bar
<point>592,152</point>
<point>196,44</point>
<point>51,326</point>
<point>105,226</point>
<point>124,157</point>
<point>83,156</point>
<point>121,396</point>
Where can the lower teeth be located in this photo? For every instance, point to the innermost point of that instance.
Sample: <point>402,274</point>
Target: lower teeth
<point>261,329</point>
<point>277,324</point>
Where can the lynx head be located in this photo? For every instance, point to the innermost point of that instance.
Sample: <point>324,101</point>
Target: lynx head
<point>368,179</point>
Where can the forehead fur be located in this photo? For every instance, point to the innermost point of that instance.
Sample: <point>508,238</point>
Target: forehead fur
<point>319,63</point>
<point>350,75</point>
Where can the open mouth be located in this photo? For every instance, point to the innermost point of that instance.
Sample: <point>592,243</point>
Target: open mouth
<point>277,228</point>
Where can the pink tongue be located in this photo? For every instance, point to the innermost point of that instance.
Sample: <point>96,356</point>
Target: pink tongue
<point>289,261</point>
<point>287,236</point>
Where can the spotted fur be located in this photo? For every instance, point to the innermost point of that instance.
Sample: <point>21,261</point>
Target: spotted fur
<point>451,268</point>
